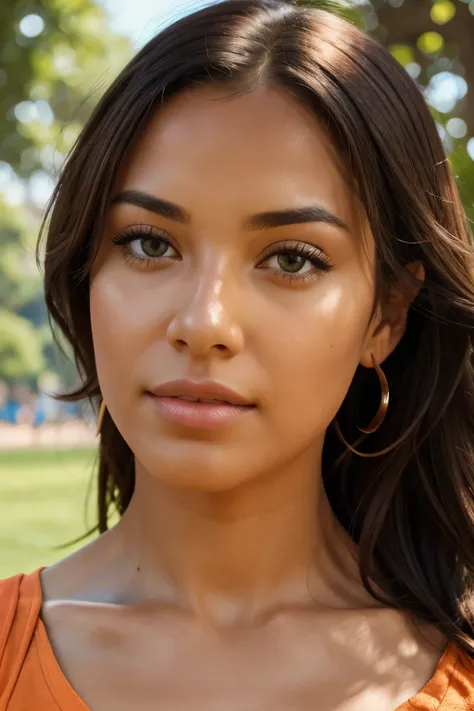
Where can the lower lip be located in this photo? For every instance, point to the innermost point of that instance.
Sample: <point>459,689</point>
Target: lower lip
<point>199,415</point>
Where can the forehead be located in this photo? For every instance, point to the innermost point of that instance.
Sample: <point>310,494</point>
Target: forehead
<point>259,150</point>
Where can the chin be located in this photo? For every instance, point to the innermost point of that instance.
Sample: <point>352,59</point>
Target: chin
<point>197,466</point>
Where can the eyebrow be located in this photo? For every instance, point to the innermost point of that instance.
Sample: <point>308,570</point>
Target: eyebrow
<point>295,216</point>
<point>262,220</point>
<point>152,204</point>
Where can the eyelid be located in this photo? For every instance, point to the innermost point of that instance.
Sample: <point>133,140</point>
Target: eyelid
<point>303,248</point>
<point>137,231</point>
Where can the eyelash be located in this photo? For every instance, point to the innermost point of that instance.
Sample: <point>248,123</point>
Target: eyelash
<point>309,252</point>
<point>137,232</point>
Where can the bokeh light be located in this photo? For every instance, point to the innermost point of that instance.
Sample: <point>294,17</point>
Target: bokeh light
<point>31,25</point>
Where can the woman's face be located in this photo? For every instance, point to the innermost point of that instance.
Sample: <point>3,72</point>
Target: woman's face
<point>234,255</point>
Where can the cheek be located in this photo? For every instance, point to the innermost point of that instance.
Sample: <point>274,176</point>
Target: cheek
<point>120,324</point>
<point>315,353</point>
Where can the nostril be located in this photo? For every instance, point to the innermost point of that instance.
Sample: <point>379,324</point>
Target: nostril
<point>221,347</point>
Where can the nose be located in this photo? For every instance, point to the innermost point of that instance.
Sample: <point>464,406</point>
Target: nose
<point>204,324</point>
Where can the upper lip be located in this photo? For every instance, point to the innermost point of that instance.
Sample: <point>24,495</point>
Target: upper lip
<point>204,390</point>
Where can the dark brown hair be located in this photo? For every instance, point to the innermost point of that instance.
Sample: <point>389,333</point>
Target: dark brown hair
<point>411,510</point>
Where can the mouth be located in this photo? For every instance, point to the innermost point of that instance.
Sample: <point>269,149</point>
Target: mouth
<point>205,405</point>
<point>212,401</point>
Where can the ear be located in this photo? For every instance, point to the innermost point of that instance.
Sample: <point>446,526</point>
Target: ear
<point>389,323</point>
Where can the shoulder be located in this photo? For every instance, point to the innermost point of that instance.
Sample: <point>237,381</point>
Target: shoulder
<point>461,681</point>
<point>20,605</point>
<point>9,596</point>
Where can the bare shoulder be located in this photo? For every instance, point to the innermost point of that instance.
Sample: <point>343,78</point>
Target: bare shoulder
<point>75,576</point>
<point>378,645</point>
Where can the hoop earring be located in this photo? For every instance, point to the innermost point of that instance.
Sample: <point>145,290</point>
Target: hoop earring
<point>377,420</point>
<point>100,418</point>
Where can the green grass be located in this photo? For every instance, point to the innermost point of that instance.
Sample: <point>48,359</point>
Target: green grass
<point>43,496</point>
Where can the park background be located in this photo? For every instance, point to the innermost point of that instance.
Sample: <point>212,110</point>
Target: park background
<point>56,59</point>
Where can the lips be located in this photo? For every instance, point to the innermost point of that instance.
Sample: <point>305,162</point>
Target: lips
<point>203,399</point>
<point>199,406</point>
<point>204,392</point>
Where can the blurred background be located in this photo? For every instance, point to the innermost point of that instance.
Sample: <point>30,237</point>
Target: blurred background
<point>56,59</point>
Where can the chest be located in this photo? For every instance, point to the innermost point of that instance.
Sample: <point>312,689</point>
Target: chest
<point>173,665</point>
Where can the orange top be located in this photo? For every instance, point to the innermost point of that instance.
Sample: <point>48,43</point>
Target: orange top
<point>31,679</point>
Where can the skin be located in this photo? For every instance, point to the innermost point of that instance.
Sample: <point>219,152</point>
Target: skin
<point>217,586</point>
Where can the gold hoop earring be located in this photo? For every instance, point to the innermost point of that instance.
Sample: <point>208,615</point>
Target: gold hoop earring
<point>100,418</point>
<point>377,420</point>
<point>383,407</point>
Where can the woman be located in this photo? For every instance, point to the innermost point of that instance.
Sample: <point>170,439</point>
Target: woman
<point>257,251</point>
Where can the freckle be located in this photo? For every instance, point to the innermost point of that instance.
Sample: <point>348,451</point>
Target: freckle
<point>138,568</point>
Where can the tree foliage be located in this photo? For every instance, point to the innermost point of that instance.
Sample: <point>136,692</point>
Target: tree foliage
<point>56,58</point>
<point>51,79</point>
<point>21,354</point>
<point>434,41</point>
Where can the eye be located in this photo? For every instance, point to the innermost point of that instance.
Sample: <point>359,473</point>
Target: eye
<point>290,262</point>
<point>145,244</point>
<point>151,247</point>
<point>295,260</point>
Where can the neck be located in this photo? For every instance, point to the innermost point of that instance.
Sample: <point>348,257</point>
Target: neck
<point>238,554</point>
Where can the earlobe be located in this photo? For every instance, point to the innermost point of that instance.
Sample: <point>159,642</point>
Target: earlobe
<point>392,326</point>
<point>380,346</point>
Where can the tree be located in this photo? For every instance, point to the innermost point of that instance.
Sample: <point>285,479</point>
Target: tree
<point>440,36</point>
<point>434,40</point>
<point>56,57</point>
<point>19,278</point>
<point>20,349</point>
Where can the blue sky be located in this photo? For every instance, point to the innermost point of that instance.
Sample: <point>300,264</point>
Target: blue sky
<point>140,19</point>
